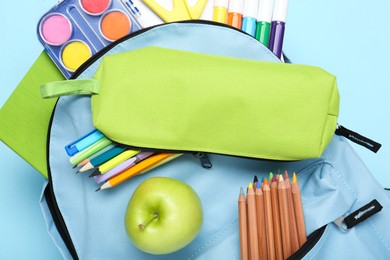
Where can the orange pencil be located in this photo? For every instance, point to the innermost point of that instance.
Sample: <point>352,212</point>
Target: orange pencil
<point>261,234</point>
<point>291,216</point>
<point>285,224</point>
<point>268,221</point>
<point>243,226</point>
<point>139,168</point>
<point>276,219</point>
<point>252,223</point>
<point>298,210</point>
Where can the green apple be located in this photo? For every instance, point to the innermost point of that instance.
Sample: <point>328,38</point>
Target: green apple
<point>163,215</point>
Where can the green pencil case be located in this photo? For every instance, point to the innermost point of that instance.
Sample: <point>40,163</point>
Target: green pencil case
<point>167,99</point>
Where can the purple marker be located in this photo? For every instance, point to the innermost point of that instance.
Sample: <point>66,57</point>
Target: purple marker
<point>279,17</point>
<point>122,167</point>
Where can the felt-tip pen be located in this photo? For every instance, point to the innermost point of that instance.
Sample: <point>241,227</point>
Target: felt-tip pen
<point>278,23</point>
<point>220,11</point>
<point>264,17</point>
<point>236,7</point>
<point>137,14</point>
<point>250,16</point>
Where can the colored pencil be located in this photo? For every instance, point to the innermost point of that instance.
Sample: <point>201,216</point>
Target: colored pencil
<point>291,216</point>
<point>268,220</point>
<point>122,167</point>
<point>298,210</point>
<point>120,158</point>
<point>284,221</point>
<point>243,226</point>
<point>276,219</point>
<point>261,234</point>
<point>137,169</point>
<point>99,160</point>
<point>85,161</point>
<point>252,223</point>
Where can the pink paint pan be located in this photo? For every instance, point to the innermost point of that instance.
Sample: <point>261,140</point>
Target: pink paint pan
<point>95,7</point>
<point>55,29</point>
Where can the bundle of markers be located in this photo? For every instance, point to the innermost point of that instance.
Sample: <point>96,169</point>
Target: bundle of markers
<point>109,163</point>
<point>271,218</point>
<point>263,19</point>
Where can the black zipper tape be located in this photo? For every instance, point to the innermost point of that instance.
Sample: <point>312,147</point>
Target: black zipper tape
<point>52,202</point>
<point>311,241</point>
<point>357,138</point>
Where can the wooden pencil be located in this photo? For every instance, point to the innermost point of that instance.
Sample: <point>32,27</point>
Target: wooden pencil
<point>291,215</point>
<point>252,223</point>
<point>268,221</point>
<point>261,234</point>
<point>276,219</point>
<point>284,222</point>
<point>298,210</point>
<point>242,218</point>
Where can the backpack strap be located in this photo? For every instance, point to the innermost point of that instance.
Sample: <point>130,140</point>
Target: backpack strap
<point>70,87</point>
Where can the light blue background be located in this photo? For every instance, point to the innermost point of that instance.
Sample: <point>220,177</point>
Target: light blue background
<point>348,38</point>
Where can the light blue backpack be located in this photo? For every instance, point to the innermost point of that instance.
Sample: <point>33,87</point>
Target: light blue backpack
<point>86,224</point>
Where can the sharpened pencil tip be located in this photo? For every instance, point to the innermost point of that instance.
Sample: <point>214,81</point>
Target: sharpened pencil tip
<point>74,166</point>
<point>95,173</point>
<point>97,189</point>
<point>241,191</point>
<point>294,180</point>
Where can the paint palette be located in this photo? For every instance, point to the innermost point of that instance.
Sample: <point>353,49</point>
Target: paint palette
<point>74,30</point>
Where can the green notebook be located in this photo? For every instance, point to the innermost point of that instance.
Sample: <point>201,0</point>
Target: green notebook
<point>25,116</point>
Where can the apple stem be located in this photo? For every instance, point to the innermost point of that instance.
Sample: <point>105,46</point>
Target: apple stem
<point>154,216</point>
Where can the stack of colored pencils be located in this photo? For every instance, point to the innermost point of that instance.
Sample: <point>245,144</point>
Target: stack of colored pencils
<point>271,220</point>
<point>111,163</point>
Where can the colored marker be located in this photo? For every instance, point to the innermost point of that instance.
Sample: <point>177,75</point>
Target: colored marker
<point>102,158</point>
<point>141,19</point>
<point>83,142</point>
<point>84,154</point>
<point>220,11</point>
<point>264,17</point>
<point>122,167</point>
<point>236,7</point>
<point>278,24</point>
<point>85,161</point>
<point>250,17</point>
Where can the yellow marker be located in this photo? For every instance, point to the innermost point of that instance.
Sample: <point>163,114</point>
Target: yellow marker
<point>74,54</point>
<point>220,11</point>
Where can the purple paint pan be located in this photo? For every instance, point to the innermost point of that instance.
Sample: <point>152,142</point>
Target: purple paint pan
<point>55,29</point>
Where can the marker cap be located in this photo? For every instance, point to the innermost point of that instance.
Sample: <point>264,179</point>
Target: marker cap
<point>250,8</point>
<point>236,6</point>
<point>265,10</point>
<point>221,3</point>
<point>280,10</point>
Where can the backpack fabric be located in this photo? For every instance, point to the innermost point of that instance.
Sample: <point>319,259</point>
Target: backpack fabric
<point>90,225</point>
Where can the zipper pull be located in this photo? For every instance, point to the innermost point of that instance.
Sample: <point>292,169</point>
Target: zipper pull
<point>204,160</point>
<point>357,138</point>
<point>358,216</point>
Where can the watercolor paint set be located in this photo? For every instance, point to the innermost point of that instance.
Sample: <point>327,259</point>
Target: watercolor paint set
<point>74,30</point>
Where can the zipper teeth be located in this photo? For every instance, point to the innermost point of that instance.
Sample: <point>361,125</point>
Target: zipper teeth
<point>308,245</point>
<point>106,49</point>
<point>52,202</point>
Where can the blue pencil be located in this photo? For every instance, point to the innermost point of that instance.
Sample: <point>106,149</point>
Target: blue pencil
<point>102,158</point>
